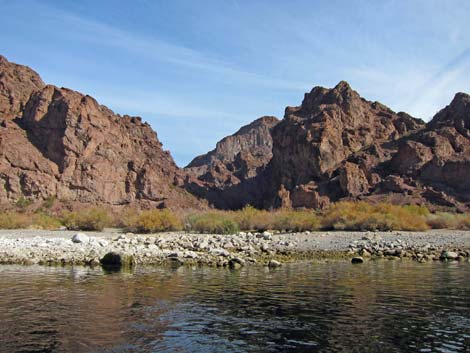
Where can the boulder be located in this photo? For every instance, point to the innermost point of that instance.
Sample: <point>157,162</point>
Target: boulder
<point>116,260</point>
<point>357,260</point>
<point>274,264</point>
<point>352,180</point>
<point>449,255</point>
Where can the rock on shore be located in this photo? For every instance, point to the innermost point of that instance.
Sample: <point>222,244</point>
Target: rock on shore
<point>234,251</point>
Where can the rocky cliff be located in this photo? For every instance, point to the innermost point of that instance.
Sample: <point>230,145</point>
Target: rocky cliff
<point>237,157</point>
<point>337,145</point>
<point>312,145</point>
<point>58,142</point>
<point>237,160</point>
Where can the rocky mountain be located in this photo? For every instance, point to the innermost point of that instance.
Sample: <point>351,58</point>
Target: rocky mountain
<point>237,160</point>
<point>335,146</point>
<point>312,145</point>
<point>338,146</point>
<point>238,157</point>
<point>437,158</point>
<point>61,143</point>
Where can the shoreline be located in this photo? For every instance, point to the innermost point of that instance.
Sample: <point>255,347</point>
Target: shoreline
<point>180,248</point>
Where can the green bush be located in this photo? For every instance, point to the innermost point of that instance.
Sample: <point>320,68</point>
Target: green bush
<point>212,222</point>
<point>18,220</point>
<point>23,202</point>
<point>464,222</point>
<point>250,218</point>
<point>363,216</point>
<point>152,221</point>
<point>295,221</point>
<point>91,218</point>
<point>14,220</point>
<point>44,221</point>
<point>442,220</point>
<point>49,202</point>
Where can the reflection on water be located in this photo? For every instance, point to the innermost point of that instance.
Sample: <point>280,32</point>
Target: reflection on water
<point>334,307</point>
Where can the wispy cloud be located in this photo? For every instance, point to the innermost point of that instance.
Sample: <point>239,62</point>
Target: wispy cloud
<point>154,48</point>
<point>421,91</point>
<point>438,88</point>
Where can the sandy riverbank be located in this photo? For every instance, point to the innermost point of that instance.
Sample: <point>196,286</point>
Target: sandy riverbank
<point>57,247</point>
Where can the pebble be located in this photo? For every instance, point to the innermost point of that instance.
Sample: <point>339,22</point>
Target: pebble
<point>30,246</point>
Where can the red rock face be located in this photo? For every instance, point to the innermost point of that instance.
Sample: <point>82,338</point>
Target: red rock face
<point>227,175</point>
<point>314,142</point>
<point>334,146</point>
<point>17,83</point>
<point>237,157</point>
<point>64,144</point>
<point>448,137</point>
<point>338,146</point>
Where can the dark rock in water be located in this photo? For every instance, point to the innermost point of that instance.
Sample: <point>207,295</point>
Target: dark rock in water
<point>357,260</point>
<point>175,262</point>
<point>236,263</point>
<point>449,255</point>
<point>115,260</point>
<point>274,264</point>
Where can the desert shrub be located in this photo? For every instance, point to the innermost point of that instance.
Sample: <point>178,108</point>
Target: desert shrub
<point>413,209</point>
<point>152,221</point>
<point>364,216</point>
<point>295,221</point>
<point>442,220</point>
<point>49,202</point>
<point>23,202</point>
<point>447,220</point>
<point>14,220</point>
<point>250,218</point>
<point>212,222</point>
<point>19,220</point>
<point>90,218</point>
<point>44,221</point>
<point>464,222</point>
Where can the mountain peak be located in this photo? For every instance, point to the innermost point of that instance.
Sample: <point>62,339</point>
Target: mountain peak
<point>343,86</point>
<point>456,114</point>
<point>461,97</point>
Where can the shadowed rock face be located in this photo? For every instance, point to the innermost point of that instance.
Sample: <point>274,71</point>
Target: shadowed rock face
<point>442,152</point>
<point>237,160</point>
<point>58,142</point>
<point>237,157</point>
<point>337,145</point>
<point>334,146</point>
<point>312,146</point>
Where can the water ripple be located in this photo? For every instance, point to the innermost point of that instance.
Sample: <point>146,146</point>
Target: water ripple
<point>332,307</point>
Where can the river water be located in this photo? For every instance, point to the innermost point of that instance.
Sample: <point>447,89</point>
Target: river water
<point>383,306</point>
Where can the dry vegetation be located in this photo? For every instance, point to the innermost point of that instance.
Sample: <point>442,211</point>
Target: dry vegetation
<point>384,217</point>
<point>151,221</point>
<point>91,218</point>
<point>360,216</point>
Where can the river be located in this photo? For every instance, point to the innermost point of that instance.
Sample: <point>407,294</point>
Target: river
<point>379,306</point>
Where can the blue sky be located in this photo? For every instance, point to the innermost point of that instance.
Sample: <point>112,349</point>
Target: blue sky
<point>198,70</point>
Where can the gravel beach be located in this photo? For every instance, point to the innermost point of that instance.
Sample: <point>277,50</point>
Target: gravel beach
<point>91,248</point>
